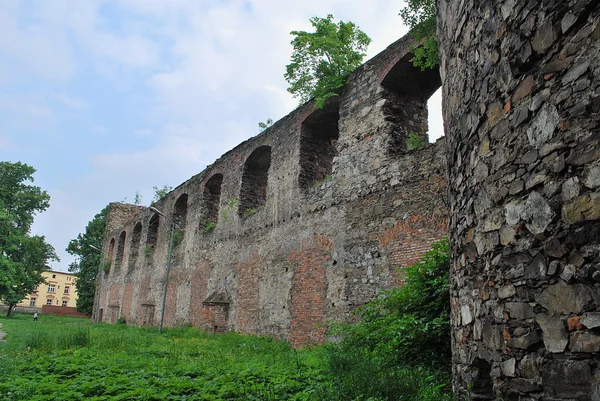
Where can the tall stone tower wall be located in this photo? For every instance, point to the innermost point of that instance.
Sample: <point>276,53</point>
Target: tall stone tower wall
<point>521,93</point>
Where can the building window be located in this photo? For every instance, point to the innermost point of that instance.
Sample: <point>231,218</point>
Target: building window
<point>68,278</point>
<point>32,302</point>
<point>51,288</point>
<point>64,302</point>
<point>66,290</point>
<point>54,276</point>
<point>36,288</point>
<point>48,301</point>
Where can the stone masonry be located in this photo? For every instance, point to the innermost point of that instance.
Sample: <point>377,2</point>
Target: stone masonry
<point>295,227</point>
<point>521,93</point>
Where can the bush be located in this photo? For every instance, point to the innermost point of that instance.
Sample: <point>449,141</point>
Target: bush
<point>400,348</point>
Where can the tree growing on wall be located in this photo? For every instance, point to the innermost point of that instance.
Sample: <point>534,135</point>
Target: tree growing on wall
<point>419,15</point>
<point>23,257</point>
<point>160,193</point>
<point>322,59</point>
<point>85,249</point>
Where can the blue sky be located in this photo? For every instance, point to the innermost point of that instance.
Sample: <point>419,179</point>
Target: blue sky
<point>107,97</point>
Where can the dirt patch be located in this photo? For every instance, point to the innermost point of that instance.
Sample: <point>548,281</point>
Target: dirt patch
<point>2,334</point>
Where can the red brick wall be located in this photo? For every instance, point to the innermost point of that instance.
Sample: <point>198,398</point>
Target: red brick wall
<point>171,303</point>
<point>309,290</point>
<point>214,317</point>
<point>248,296</point>
<point>199,281</point>
<point>127,297</point>
<point>408,240</point>
<point>62,311</point>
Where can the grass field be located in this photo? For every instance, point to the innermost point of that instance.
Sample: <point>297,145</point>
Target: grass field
<point>61,358</point>
<point>65,358</point>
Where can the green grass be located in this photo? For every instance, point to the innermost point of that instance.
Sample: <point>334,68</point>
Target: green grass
<point>65,358</point>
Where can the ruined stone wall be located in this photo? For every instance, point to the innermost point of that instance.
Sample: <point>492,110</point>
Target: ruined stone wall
<point>313,217</point>
<point>521,93</point>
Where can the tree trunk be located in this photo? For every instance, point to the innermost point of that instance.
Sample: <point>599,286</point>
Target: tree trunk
<point>11,307</point>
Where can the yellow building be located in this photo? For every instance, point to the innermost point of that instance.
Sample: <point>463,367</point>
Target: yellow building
<point>59,290</point>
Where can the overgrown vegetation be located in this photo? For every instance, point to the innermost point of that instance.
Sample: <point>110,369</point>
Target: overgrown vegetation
<point>252,211</point>
<point>419,15</point>
<point>322,59</point>
<point>69,359</point>
<point>178,235</point>
<point>148,250</point>
<point>263,125</point>
<point>400,348</point>
<point>208,227</point>
<point>415,141</point>
<point>160,193</point>
<point>229,208</point>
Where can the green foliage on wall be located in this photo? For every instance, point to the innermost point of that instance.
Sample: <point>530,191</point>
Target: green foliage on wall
<point>322,59</point>
<point>403,337</point>
<point>419,15</point>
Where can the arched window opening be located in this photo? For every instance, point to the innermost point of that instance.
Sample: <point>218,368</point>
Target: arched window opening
<point>211,200</point>
<point>136,238</point>
<point>407,92</point>
<point>111,251</point>
<point>152,234</point>
<point>180,211</point>
<point>318,140</point>
<point>120,250</point>
<point>253,193</point>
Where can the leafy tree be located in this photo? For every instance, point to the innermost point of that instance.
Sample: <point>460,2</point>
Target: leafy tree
<point>160,193</point>
<point>322,59</point>
<point>419,15</point>
<point>263,125</point>
<point>85,248</point>
<point>23,257</point>
<point>138,198</point>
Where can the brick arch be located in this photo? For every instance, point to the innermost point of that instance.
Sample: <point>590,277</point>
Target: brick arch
<point>120,249</point>
<point>407,90</point>
<point>319,133</point>
<point>134,249</point>
<point>180,211</point>
<point>253,193</point>
<point>211,198</point>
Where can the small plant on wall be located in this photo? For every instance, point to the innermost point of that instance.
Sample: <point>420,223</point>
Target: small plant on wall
<point>177,237</point>
<point>148,249</point>
<point>208,227</point>
<point>415,141</point>
<point>105,266</point>
<point>229,207</point>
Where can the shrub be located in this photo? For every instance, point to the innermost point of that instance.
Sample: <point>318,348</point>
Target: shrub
<point>208,227</point>
<point>415,141</point>
<point>400,348</point>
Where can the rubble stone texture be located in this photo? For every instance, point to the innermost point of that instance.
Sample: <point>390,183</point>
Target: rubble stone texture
<point>298,225</point>
<point>521,93</point>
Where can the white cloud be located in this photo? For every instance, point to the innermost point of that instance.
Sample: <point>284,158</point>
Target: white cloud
<point>197,75</point>
<point>73,102</point>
